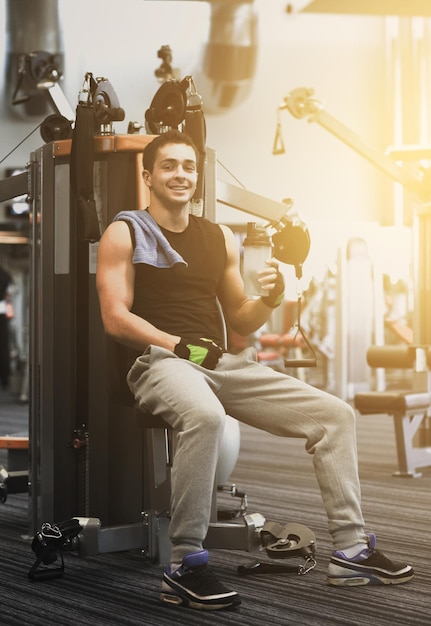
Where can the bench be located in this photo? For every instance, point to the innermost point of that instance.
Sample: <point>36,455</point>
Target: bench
<point>14,479</point>
<point>409,408</point>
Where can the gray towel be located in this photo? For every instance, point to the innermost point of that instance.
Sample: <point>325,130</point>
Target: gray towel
<point>151,246</point>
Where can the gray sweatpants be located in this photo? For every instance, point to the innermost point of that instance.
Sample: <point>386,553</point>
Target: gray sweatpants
<point>195,401</point>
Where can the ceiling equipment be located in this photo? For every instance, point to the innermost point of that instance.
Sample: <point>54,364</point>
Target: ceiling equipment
<point>34,55</point>
<point>406,8</point>
<point>230,55</point>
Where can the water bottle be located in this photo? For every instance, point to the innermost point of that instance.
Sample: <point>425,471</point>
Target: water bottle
<point>257,250</point>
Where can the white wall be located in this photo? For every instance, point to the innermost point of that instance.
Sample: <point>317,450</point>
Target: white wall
<point>341,57</point>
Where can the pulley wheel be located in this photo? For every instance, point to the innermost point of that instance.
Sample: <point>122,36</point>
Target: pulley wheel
<point>56,127</point>
<point>292,244</point>
<point>168,106</point>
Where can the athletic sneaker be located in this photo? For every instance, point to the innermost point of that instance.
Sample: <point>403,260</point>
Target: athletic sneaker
<point>369,567</point>
<point>195,586</point>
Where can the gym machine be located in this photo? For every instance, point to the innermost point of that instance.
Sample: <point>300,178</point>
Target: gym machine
<point>411,408</point>
<point>90,459</point>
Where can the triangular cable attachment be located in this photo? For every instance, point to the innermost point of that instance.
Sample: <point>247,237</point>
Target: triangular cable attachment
<point>278,146</point>
<point>300,335</point>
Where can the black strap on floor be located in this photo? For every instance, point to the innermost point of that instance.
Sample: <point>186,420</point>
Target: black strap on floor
<point>51,541</point>
<point>284,542</point>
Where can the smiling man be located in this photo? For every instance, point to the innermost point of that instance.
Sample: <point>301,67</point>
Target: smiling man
<point>161,273</point>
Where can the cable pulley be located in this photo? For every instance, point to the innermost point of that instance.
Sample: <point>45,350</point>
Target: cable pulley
<point>167,108</point>
<point>300,335</point>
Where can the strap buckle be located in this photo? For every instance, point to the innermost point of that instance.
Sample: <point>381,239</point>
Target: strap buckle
<point>50,540</point>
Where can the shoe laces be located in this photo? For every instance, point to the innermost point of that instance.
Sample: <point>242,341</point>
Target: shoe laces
<point>371,549</point>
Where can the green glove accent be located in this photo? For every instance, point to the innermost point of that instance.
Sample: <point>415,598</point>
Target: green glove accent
<point>202,351</point>
<point>275,297</point>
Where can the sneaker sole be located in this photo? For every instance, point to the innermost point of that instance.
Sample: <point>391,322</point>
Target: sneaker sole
<point>356,581</point>
<point>172,592</point>
<point>175,600</point>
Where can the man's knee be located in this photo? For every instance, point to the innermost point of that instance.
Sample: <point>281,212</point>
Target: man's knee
<point>344,416</point>
<point>347,413</point>
<point>209,420</point>
<point>338,411</point>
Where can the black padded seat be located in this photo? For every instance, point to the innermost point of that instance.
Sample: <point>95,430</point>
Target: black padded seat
<point>145,419</point>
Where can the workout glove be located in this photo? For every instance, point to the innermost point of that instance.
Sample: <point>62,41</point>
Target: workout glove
<point>202,351</point>
<point>275,297</point>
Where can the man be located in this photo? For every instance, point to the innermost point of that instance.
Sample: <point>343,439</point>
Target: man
<point>160,273</point>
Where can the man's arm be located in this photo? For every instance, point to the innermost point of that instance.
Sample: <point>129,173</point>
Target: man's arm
<point>244,315</point>
<point>115,279</point>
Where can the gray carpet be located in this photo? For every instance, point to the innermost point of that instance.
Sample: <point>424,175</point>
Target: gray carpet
<point>122,589</point>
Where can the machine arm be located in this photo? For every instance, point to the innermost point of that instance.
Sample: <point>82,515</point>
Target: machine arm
<point>14,186</point>
<point>250,202</point>
<point>301,104</point>
<point>291,238</point>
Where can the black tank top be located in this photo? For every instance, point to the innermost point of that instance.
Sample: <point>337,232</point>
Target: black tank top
<point>182,300</point>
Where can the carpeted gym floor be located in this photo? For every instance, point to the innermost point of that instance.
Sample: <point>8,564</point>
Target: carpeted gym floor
<point>121,589</point>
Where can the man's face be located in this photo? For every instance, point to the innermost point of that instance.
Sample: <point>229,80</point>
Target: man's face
<point>174,176</point>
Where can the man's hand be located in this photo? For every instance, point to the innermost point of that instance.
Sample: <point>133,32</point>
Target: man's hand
<point>202,351</point>
<point>272,279</point>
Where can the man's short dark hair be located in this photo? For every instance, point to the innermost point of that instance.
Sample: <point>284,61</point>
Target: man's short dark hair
<point>172,136</point>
